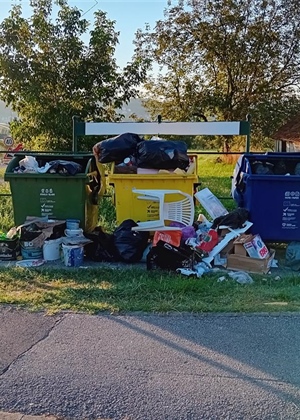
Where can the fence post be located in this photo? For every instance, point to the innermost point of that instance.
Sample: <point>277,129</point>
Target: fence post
<point>248,117</point>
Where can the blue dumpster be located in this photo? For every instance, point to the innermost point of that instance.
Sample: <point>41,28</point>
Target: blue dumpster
<point>268,186</point>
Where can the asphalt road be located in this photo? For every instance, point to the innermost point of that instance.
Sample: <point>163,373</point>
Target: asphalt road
<point>150,366</point>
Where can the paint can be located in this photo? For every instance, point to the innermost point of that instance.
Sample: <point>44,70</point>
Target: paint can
<point>51,249</point>
<point>73,255</point>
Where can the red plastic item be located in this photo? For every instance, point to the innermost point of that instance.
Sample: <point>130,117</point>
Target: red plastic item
<point>172,237</point>
<point>208,240</point>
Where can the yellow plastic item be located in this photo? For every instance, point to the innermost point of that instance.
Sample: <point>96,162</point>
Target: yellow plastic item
<point>128,206</point>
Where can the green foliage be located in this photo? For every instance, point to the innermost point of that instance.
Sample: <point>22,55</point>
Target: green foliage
<point>225,58</point>
<point>48,74</point>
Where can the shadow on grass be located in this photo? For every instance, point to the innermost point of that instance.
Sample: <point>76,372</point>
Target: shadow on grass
<point>125,290</point>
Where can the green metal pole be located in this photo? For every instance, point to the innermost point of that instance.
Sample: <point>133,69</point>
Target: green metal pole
<point>74,142</point>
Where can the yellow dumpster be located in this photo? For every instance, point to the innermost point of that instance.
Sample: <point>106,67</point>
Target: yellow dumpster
<point>128,206</point>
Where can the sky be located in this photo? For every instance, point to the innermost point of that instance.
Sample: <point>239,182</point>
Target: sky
<point>129,16</point>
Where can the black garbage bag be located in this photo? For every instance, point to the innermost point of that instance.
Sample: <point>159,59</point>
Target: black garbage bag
<point>280,168</point>
<point>130,245</point>
<point>263,168</point>
<point>162,154</point>
<point>102,248</point>
<point>234,219</point>
<point>292,255</point>
<point>116,149</point>
<point>168,257</point>
<point>64,167</point>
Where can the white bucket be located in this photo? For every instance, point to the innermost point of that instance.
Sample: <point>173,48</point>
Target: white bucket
<point>51,249</point>
<point>73,255</point>
<point>73,232</point>
<point>72,223</point>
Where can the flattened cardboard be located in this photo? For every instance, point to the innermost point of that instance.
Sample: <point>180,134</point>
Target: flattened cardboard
<point>251,265</point>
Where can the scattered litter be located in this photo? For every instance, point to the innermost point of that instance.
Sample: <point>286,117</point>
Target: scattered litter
<point>29,263</point>
<point>276,303</point>
<point>241,277</point>
<point>221,279</point>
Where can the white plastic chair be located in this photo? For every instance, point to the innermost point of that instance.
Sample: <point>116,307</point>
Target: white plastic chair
<point>181,211</point>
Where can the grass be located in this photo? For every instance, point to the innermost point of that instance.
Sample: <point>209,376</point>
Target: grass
<point>119,290</point>
<point>111,290</point>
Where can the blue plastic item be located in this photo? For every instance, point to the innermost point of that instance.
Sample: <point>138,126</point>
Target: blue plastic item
<point>268,186</point>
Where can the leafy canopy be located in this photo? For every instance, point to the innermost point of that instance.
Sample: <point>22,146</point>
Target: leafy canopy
<point>49,74</point>
<point>226,58</point>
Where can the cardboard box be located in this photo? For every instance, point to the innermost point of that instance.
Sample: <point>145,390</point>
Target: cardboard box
<point>256,248</point>
<point>239,243</point>
<point>227,249</point>
<point>248,264</point>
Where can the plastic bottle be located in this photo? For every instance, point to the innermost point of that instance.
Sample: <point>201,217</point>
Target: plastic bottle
<point>12,233</point>
<point>127,161</point>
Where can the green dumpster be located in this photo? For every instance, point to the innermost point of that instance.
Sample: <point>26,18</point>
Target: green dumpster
<point>54,195</point>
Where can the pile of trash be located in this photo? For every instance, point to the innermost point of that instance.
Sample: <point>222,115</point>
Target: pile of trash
<point>132,154</point>
<point>39,240</point>
<point>189,250</point>
<point>30,165</point>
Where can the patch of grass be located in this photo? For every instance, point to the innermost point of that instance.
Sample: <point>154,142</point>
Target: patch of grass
<point>96,290</point>
<point>215,174</point>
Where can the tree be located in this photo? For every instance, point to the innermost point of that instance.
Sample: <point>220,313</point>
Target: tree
<point>225,57</point>
<point>48,74</point>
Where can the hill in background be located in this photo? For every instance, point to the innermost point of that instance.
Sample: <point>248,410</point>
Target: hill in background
<point>6,114</point>
<point>134,107</point>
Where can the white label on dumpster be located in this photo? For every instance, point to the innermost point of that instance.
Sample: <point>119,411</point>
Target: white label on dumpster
<point>290,208</point>
<point>47,201</point>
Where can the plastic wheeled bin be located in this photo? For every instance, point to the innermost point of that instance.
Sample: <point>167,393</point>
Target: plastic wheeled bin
<point>127,204</point>
<point>54,195</point>
<point>268,186</point>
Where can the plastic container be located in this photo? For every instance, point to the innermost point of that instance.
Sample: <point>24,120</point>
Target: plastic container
<point>73,232</point>
<point>30,252</point>
<point>73,255</point>
<point>51,249</point>
<point>272,200</point>
<point>128,206</point>
<point>57,196</point>
<point>72,223</point>
<point>9,249</point>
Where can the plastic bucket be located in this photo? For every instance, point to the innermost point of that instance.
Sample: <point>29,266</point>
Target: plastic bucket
<point>29,252</point>
<point>51,249</point>
<point>72,223</point>
<point>73,255</point>
<point>73,232</point>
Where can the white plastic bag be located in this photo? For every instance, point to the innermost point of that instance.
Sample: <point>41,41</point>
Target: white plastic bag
<point>30,164</point>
